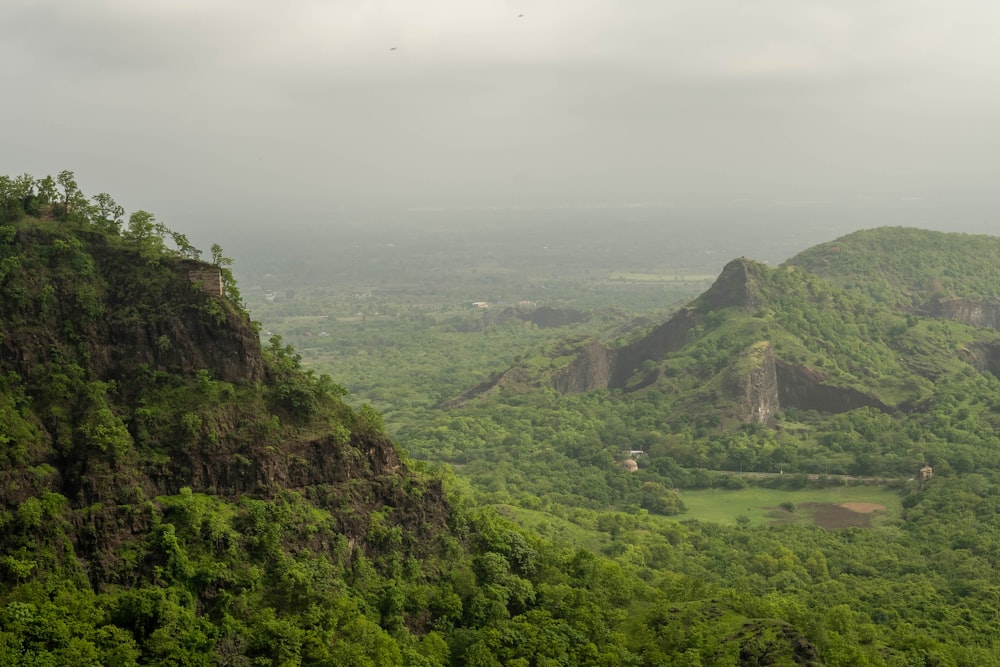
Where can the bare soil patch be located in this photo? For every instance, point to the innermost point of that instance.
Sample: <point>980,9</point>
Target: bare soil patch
<point>835,517</point>
<point>863,508</point>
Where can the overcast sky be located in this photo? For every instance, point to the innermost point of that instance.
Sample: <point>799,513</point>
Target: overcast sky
<point>201,108</point>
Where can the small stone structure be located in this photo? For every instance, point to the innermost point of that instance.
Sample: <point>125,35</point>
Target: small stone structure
<point>210,279</point>
<point>925,474</point>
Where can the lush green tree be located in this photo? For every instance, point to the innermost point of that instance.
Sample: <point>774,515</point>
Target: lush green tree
<point>107,213</point>
<point>229,288</point>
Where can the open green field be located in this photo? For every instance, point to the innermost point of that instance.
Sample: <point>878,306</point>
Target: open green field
<point>764,506</point>
<point>866,506</point>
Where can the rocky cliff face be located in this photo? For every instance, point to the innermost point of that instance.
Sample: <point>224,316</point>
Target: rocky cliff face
<point>736,286</point>
<point>591,369</point>
<point>183,343</point>
<point>352,479</point>
<point>984,313</point>
<point>120,312</point>
<point>190,329</point>
<point>264,471</point>
<point>765,384</point>
<point>121,380</point>
<point>760,382</point>
<point>756,381</point>
<point>757,385</point>
<point>669,337</point>
<point>600,367</point>
<point>984,357</point>
<point>806,388</point>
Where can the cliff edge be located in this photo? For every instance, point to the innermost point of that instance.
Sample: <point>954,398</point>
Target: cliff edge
<point>129,372</point>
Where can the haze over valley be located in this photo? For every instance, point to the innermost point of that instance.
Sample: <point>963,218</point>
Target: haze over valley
<point>511,332</point>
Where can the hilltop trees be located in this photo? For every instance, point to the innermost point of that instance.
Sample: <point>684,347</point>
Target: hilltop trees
<point>72,199</point>
<point>17,196</point>
<point>229,288</point>
<point>108,215</point>
<point>60,198</point>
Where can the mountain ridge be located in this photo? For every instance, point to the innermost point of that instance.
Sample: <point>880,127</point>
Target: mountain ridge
<point>751,293</point>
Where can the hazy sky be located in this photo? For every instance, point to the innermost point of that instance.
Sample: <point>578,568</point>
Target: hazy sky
<point>188,107</point>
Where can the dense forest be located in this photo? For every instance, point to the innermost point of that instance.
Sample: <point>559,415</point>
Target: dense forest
<point>173,491</point>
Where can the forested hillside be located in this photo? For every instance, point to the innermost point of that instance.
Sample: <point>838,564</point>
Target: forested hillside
<point>770,370</point>
<point>775,371</point>
<point>173,492</point>
<point>907,267</point>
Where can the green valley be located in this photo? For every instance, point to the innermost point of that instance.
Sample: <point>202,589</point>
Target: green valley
<point>464,458</point>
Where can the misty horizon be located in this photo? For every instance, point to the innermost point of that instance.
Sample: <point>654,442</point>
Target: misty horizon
<point>228,115</point>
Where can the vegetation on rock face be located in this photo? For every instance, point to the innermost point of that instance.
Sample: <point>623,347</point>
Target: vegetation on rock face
<point>171,492</point>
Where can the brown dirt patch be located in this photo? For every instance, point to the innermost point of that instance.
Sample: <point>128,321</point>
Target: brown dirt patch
<point>863,508</point>
<point>834,517</point>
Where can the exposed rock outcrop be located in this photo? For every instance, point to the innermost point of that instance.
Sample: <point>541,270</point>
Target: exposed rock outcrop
<point>256,469</point>
<point>806,389</point>
<point>125,323</point>
<point>984,357</point>
<point>598,366</point>
<point>756,384</point>
<point>984,313</point>
<point>669,337</point>
<point>591,369</point>
<point>132,382</point>
<point>765,384</point>
<point>760,382</point>
<point>736,286</point>
<point>756,380</point>
<point>183,342</point>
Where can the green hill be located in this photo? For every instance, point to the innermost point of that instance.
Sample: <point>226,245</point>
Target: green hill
<point>907,268</point>
<point>780,349</point>
<point>770,370</point>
